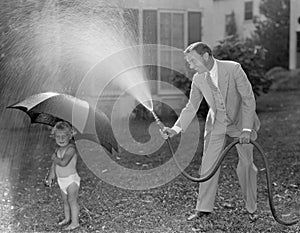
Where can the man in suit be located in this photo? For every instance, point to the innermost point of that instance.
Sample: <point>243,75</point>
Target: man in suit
<point>229,95</point>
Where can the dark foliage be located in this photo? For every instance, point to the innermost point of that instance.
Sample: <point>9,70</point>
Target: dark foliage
<point>272,32</point>
<point>250,56</point>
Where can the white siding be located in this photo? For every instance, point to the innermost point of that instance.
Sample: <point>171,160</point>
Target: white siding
<point>294,28</point>
<point>214,13</point>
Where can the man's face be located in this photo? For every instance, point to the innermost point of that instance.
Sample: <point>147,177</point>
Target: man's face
<point>197,62</point>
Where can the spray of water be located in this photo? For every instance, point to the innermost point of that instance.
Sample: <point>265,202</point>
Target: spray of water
<point>50,46</point>
<point>119,72</point>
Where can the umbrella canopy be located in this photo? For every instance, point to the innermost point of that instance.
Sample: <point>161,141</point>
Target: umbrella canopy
<point>50,107</point>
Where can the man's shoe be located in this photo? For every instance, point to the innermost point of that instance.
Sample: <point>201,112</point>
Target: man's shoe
<point>63,222</point>
<point>198,214</point>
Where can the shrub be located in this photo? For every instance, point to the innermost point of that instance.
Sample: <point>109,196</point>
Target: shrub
<point>284,80</point>
<point>272,31</point>
<point>250,56</point>
<point>182,82</point>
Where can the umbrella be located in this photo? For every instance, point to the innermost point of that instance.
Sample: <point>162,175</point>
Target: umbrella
<point>50,107</point>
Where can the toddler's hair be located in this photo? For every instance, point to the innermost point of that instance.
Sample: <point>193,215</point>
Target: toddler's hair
<point>63,126</point>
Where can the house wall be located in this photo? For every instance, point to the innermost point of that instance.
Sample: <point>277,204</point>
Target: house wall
<point>212,29</point>
<point>214,12</point>
<point>162,4</point>
<point>294,61</point>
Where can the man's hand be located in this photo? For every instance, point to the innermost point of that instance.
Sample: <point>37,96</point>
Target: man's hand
<point>245,137</point>
<point>167,132</point>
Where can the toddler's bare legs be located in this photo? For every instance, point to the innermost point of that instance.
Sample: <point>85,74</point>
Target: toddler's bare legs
<point>73,204</point>
<point>67,218</point>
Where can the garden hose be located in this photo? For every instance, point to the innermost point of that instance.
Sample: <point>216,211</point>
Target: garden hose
<point>218,164</point>
<point>211,173</point>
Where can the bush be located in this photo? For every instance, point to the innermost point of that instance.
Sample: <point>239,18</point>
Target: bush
<point>250,56</point>
<point>272,31</point>
<point>284,80</point>
<point>183,83</point>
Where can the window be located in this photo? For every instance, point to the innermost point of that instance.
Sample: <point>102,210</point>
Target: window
<point>131,18</point>
<point>194,27</point>
<point>194,34</point>
<point>174,29</point>
<point>249,10</point>
<point>150,26</point>
<point>171,34</point>
<point>230,25</point>
<point>227,24</point>
<point>150,37</point>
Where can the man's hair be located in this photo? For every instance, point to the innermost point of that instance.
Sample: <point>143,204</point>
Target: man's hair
<point>199,47</point>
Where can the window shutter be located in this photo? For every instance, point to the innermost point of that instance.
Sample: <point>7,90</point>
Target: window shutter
<point>150,37</point>
<point>194,27</point>
<point>131,17</point>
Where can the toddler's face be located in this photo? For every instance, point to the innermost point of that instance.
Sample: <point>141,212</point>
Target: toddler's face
<point>62,138</point>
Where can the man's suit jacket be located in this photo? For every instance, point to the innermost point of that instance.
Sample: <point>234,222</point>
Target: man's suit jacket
<point>236,91</point>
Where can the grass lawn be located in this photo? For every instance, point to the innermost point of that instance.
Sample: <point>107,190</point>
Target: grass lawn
<point>28,206</point>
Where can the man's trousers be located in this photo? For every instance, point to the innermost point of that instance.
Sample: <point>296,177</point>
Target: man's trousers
<point>214,142</point>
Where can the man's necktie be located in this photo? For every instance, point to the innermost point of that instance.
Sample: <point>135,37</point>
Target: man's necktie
<point>210,83</point>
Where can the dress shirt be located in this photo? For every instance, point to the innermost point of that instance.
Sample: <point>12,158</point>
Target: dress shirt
<point>214,73</point>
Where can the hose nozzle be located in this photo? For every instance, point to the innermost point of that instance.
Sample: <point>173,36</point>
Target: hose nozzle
<point>158,122</point>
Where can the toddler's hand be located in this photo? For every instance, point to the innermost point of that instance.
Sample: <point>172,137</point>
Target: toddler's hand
<point>53,157</point>
<point>48,182</point>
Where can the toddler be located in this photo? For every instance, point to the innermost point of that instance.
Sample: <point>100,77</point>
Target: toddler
<point>64,168</point>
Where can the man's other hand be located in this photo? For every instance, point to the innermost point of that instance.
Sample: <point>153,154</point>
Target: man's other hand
<point>245,137</point>
<point>167,132</point>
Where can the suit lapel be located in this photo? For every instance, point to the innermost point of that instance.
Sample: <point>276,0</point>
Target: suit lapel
<point>222,79</point>
<point>205,89</point>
